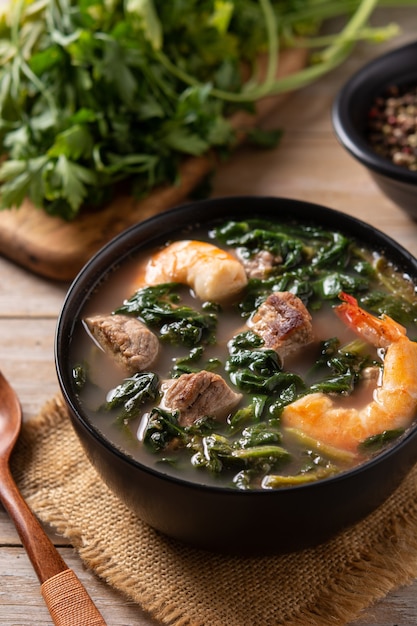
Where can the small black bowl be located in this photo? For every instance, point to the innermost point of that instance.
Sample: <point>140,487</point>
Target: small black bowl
<point>350,114</point>
<point>222,518</point>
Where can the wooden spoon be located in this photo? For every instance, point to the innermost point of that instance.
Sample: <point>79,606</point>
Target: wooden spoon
<point>67,600</point>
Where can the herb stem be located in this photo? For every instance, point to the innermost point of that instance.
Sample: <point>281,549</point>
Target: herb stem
<point>23,66</point>
<point>325,61</point>
<point>273,44</point>
<point>343,42</point>
<point>373,34</point>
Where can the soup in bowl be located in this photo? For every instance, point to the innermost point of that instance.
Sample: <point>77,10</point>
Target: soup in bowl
<point>242,371</point>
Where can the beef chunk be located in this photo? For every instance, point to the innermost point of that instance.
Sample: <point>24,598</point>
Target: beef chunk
<point>133,346</point>
<point>283,322</point>
<point>259,265</point>
<point>199,395</point>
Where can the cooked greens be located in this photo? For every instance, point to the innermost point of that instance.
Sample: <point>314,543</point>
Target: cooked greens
<point>131,394</point>
<point>313,263</point>
<point>258,372</point>
<point>340,366</point>
<point>252,448</point>
<point>160,307</point>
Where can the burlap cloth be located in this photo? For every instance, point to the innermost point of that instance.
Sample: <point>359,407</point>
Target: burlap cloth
<point>182,586</point>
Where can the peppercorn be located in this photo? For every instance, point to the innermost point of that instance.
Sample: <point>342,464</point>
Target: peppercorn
<point>392,125</point>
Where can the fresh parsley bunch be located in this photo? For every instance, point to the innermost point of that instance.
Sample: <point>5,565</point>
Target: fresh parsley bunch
<point>101,94</point>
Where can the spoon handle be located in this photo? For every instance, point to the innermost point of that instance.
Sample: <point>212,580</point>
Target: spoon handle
<point>68,601</point>
<point>66,598</point>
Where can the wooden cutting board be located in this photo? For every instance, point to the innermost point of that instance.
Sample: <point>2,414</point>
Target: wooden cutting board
<point>56,249</point>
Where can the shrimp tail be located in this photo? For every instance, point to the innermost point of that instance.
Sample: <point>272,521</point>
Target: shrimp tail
<point>394,400</point>
<point>380,331</point>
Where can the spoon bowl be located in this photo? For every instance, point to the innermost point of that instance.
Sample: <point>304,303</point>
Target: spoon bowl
<point>67,600</point>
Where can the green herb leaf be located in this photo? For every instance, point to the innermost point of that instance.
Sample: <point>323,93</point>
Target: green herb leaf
<point>159,80</point>
<point>160,307</point>
<point>131,394</point>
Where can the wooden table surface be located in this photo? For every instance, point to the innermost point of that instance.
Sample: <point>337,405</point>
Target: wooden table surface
<point>309,164</point>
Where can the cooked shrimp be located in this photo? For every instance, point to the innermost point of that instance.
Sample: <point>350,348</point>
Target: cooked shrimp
<point>395,399</point>
<point>212,273</point>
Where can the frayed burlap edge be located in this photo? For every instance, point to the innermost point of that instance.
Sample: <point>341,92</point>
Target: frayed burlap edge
<point>358,567</point>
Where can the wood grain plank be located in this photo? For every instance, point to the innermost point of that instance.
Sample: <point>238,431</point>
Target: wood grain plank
<point>27,360</point>
<point>308,164</point>
<point>21,603</point>
<point>24,294</point>
<point>10,538</point>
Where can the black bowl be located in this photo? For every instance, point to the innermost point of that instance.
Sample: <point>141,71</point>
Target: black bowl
<point>214,517</point>
<point>350,114</point>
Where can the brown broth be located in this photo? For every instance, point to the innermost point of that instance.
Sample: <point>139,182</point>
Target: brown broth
<point>104,375</point>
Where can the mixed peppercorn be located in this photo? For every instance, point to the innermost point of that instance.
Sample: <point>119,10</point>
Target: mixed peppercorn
<point>392,125</point>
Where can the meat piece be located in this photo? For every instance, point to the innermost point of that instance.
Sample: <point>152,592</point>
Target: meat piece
<point>259,265</point>
<point>283,322</point>
<point>132,345</point>
<point>199,395</point>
